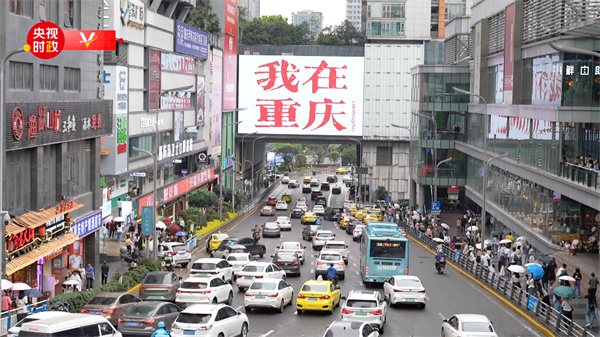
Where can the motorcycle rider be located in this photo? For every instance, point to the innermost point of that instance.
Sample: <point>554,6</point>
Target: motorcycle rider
<point>318,221</point>
<point>332,273</point>
<point>256,232</point>
<point>161,331</point>
<point>439,257</point>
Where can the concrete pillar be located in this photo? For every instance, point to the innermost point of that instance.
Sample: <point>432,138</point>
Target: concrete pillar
<point>421,195</point>
<point>412,190</point>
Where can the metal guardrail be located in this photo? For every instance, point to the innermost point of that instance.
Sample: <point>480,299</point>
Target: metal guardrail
<point>538,310</point>
<point>582,175</point>
<point>8,319</point>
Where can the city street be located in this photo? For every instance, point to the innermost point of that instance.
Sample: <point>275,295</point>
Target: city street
<point>447,294</point>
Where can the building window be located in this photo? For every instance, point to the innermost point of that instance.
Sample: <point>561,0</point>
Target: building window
<point>21,7</point>
<point>49,10</point>
<point>48,78</point>
<point>78,165</point>
<point>48,188</point>
<point>18,187</point>
<point>69,12</point>
<point>384,156</point>
<point>142,142</point>
<point>72,79</point>
<point>21,76</point>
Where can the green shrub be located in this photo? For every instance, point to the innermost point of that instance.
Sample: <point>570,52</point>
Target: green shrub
<point>128,280</point>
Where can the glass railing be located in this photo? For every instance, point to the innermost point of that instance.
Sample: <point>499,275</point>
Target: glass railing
<point>581,175</point>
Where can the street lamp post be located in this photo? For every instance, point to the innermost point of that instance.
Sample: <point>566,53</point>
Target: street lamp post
<point>435,178</point>
<point>221,174</point>
<point>359,164</point>
<point>3,214</point>
<point>483,195</point>
<point>252,178</point>
<point>243,157</point>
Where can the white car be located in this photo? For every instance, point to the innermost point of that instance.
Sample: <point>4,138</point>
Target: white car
<point>179,252</point>
<point>357,232</point>
<point>281,206</point>
<point>338,246</point>
<point>196,290</point>
<point>239,261</point>
<point>350,329</point>
<point>468,325</point>
<point>294,247</point>
<point>285,180</point>
<point>14,331</point>
<point>349,203</point>
<point>319,210</point>
<point>284,222</point>
<point>267,211</point>
<point>258,270</point>
<point>302,206</point>
<point>365,306</point>
<point>405,289</point>
<point>210,320</point>
<point>301,199</point>
<point>315,182</point>
<point>326,259</point>
<point>268,293</point>
<point>320,238</point>
<point>212,267</point>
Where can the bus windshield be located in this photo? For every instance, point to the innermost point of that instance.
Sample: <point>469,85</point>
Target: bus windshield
<point>388,249</point>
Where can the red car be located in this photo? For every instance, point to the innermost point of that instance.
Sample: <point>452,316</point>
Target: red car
<point>272,201</point>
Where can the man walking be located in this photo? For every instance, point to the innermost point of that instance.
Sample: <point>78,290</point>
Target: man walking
<point>593,284</point>
<point>89,275</point>
<point>104,270</point>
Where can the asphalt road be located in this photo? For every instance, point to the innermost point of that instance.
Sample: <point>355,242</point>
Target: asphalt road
<point>447,294</point>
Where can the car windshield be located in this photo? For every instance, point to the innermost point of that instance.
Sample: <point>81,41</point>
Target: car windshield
<point>330,257</point>
<point>319,288</point>
<point>193,318</point>
<point>194,285</point>
<point>254,269</point>
<point>477,327</point>
<point>286,257</point>
<point>179,248</point>
<point>325,235</point>
<point>289,245</point>
<point>237,258</point>
<point>361,304</point>
<point>220,236</point>
<point>408,283</point>
<point>101,300</point>
<point>391,249</point>
<point>282,218</point>
<point>263,286</point>
<point>271,225</point>
<point>156,279</point>
<point>314,228</point>
<point>204,266</point>
<point>140,310</point>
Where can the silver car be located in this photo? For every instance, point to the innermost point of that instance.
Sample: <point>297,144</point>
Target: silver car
<point>271,229</point>
<point>338,246</point>
<point>365,306</point>
<point>328,258</point>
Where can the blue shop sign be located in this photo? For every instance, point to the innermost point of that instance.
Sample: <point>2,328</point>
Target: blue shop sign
<point>87,225</point>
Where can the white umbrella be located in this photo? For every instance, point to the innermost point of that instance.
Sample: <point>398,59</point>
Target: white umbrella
<point>445,225</point>
<point>438,240</point>
<point>521,238</point>
<point>6,284</point>
<point>566,278</point>
<point>160,224</point>
<point>532,263</point>
<point>119,219</point>
<point>505,241</point>
<point>478,245</point>
<point>515,268</point>
<point>71,282</point>
<point>20,286</point>
<point>473,228</point>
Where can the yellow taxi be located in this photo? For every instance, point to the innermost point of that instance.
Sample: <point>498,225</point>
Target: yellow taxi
<point>307,179</point>
<point>361,214</point>
<point>344,222</point>
<point>318,296</point>
<point>377,213</point>
<point>214,240</point>
<point>341,170</point>
<point>352,210</point>
<point>370,217</point>
<point>308,217</point>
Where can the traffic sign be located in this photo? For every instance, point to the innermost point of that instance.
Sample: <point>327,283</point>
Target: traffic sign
<point>436,206</point>
<point>147,220</point>
<point>371,191</point>
<point>388,198</point>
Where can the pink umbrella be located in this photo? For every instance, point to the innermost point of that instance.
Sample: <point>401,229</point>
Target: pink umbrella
<point>445,225</point>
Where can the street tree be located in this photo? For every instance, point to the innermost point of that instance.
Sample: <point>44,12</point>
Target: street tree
<point>300,160</point>
<point>319,153</point>
<point>381,192</point>
<point>349,155</point>
<point>334,156</point>
<point>274,30</point>
<point>344,34</point>
<point>287,153</point>
<point>203,18</point>
<point>203,198</point>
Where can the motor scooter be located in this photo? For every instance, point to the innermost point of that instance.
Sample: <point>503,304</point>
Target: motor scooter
<point>167,263</point>
<point>256,236</point>
<point>440,265</point>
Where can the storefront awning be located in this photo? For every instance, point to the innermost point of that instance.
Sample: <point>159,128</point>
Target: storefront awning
<point>39,218</point>
<point>38,253</point>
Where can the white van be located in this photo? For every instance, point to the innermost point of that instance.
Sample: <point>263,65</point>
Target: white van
<point>70,325</point>
<point>14,331</point>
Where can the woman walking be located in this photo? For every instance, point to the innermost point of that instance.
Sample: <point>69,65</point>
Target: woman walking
<point>590,309</point>
<point>577,276</point>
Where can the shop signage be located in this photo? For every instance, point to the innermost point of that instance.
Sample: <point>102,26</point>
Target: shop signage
<point>175,149</point>
<point>190,40</point>
<point>147,220</point>
<point>231,17</point>
<point>121,134</point>
<point>35,124</point>
<point>176,100</point>
<point>87,225</point>
<point>133,13</point>
<point>202,157</point>
<point>65,206</point>
<point>148,122</point>
<point>55,220</point>
<point>21,239</point>
<point>178,63</point>
<point>188,184</point>
<point>106,209</point>
<point>154,78</point>
<point>137,174</point>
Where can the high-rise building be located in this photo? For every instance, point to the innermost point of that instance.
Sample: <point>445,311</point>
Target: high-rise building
<point>252,8</point>
<point>314,19</point>
<point>353,12</point>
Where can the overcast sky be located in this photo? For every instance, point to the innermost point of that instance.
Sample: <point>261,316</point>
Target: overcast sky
<point>334,11</point>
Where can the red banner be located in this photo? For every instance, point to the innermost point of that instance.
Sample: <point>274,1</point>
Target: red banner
<point>90,39</point>
<point>179,188</point>
<point>231,17</point>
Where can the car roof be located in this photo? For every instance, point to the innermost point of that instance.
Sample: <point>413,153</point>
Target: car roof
<point>472,318</point>
<point>258,263</point>
<point>47,314</point>
<point>309,213</point>
<point>362,294</point>
<point>336,242</point>
<point>267,206</point>
<point>70,320</point>
<point>237,246</point>
<point>203,308</point>
<point>209,260</point>
<point>111,294</point>
<point>343,325</point>
<point>324,231</point>
<point>270,223</point>
<point>282,216</point>
<point>199,279</point>
<point>159,272</point>
<point>316,282</point>
<point>287,242</point>
<point>281,201</point>
<point>318,206</point>
<point>329,252</point>
<point>407,277</point>
<point>238,254</point>
<point>171,244</point>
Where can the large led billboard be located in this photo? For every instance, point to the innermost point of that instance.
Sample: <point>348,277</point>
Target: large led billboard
<point>301,95</point>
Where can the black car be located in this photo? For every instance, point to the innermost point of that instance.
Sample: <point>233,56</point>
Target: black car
<point>315,193</point>
<point>253,248</point>
<point>351,224</point>
<point>288,261</point>
<point>333,213</point>
<point>296,213</point>
<point>332,179</point>
<point>321,200</point>
<point>325,186</point>
<point>309,231</point>
<point>336,190</point>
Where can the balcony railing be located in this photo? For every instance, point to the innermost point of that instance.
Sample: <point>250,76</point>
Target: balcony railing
<point>582,175</point>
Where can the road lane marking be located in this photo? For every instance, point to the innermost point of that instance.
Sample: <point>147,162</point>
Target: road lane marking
<point>354,264</point>
<point>356,272</point>
<point>442,316</point>
<point>268,333</point>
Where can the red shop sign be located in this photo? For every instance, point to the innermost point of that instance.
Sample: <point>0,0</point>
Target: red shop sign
<point>21,239</point>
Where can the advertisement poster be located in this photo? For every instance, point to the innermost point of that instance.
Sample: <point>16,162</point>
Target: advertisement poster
<point>191,40</point>
<point>230,74</point>
<point>296,95</point>
<point>154,78</point>
<point>76,255</point>
<point>216,101</point>
<point>178,63</point>
<point>547,80</point>
<point>176,100</point>
<point>200,97</point>
<point>178,126</point>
